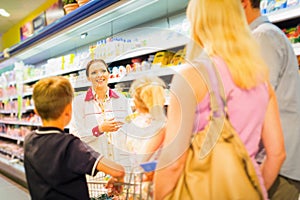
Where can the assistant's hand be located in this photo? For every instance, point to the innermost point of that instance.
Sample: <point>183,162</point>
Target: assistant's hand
<point>110,125</point>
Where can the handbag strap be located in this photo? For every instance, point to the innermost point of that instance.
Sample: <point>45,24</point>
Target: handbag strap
<point>210,74</point>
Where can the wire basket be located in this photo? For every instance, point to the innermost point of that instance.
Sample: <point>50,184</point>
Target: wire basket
<point>133,187</point>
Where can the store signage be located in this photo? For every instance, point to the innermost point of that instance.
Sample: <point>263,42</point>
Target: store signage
<point>26,30</point>
<point>39,22</point>
<point>55,12</point>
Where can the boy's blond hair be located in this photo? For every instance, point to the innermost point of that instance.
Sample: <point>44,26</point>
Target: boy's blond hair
<point>51,96</point>
<point>148,92</point>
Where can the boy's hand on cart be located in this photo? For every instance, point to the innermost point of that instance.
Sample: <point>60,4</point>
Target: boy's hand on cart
<point>148,176</point>
<point>114,186</point>
<point>110,125</point>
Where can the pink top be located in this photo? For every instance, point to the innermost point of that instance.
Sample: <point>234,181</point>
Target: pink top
<point>246,110</point>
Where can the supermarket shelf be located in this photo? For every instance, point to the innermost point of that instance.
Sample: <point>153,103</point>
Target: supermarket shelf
<point>284,14</point>
<point>15,138</point>
<point>157,71</point>
<point>13,169</point>
<point>168,45</point>
<point>57,73</point>
<point>28,108</point>
<point>21,123</point>
<point>13,157</point>
<point>16,96</point>
<point>8,111</point>
<point>180,41</point>
<point>63,23</point>
<point>97,24</point>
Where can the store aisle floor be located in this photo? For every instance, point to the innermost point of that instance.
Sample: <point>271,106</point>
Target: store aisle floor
<point>10,190</point>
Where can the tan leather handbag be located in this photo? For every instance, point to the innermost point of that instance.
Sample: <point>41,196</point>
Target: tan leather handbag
<point>218,166</point>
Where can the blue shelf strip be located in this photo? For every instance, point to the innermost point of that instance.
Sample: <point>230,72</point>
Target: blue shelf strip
<point>75,16</point>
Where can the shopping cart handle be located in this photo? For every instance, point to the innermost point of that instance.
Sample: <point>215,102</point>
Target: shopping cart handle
<point>149,166</point>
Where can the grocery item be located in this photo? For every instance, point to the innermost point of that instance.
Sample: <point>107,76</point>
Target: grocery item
<point>163,58</point>
<point>179,57</point>
<point>290,3</point>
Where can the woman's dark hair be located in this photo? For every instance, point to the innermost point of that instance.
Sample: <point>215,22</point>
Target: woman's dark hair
<point>92,62</point>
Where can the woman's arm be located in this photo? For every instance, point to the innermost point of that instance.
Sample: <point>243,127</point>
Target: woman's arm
<point>187,89</point>
<point>153,144</point>
<point>272,137</point>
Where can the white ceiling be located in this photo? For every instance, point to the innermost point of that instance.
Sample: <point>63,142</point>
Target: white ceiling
<point>18,10</point>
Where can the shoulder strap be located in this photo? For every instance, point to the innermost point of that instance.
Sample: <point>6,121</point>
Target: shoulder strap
<point>209,73</point>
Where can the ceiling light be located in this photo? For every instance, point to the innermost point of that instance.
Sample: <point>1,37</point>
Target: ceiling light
<point>4,13</point>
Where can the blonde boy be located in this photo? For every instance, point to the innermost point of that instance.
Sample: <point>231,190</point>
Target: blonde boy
<point>56,162</point>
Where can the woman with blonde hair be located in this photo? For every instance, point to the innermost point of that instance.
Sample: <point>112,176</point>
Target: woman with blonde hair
<point>219,30</point>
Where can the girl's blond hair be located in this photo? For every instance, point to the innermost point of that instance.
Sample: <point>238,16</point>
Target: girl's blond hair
<point>148,92</point>
<point>220,27</point>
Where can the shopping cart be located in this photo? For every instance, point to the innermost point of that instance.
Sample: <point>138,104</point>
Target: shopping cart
<point>134,188</point>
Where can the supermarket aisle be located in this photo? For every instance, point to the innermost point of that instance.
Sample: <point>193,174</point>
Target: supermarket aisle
<point>10,190</point>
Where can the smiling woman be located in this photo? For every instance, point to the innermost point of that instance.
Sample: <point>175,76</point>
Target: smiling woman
<point>100,110</point>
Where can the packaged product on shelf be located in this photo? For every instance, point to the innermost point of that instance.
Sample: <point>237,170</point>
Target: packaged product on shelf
<point>72,78</point>
<point>115,73</point>
<point>92,51</point>
<point>298,33</point>
<point>145,65</point>
<point>10,76</point>
<point>11,90</point>
<point>81,79</point>
<point>2,128</point>
<point>122,71</point>
<point>162,58</point>
<point>179,57</point>
<point>292,34</point>
<point>27,88</point>
<point>68,62</point>
<point>263,6</point>
<point>137,66</point>
<point>3,88</point>
<point>280,4</point>
<point>12,150</point>
<point>271,6</point>
<point>128,68</point>
<point>26,72</point>
<point>82,58</point>
<point>291,3</point>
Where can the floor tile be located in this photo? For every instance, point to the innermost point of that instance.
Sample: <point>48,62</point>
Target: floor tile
<point>10,190</point>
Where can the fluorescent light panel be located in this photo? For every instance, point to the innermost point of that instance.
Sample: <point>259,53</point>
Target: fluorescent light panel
<point>4,13</point>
